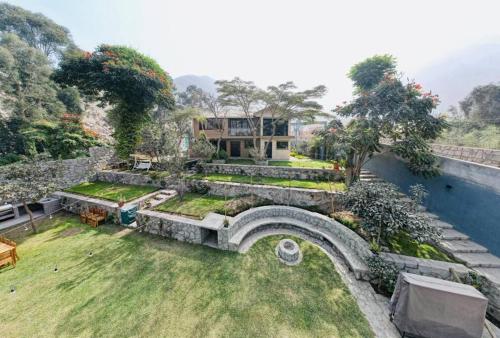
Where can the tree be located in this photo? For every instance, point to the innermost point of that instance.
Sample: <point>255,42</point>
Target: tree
<point>202,148</point>
<point>283,104</point>
<point>25,80</point>
<point>122,77</point>
<point>246,96</point>
<point>36,29</point>
<point>393,110</point>
<point>483,104</point>
<point>70,97</point>
<point>28,182</point>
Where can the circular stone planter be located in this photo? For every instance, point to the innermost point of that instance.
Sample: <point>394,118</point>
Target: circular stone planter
<point>288,252</point>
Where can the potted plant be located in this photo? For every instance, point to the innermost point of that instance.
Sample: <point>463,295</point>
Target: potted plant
<point>121,202</point>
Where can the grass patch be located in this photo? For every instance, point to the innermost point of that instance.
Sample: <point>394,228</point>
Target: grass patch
<point>280,182</point>
<point>111,191</point>
<point>142,285</point>
<point>240,161</point>
<point>198,206</point>
<point>304,162</point>
<point>403,244</point>
<point>194,205</point>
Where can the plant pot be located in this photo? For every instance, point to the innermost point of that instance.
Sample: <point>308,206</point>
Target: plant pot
<point>121,204</point>
<point>219,161</point>
<point>262,162</point>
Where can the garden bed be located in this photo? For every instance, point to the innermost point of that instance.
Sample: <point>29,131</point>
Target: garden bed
<point>280,182</point>
<point>174,287</point>
<point>198,205</point>
<point>111,191</point>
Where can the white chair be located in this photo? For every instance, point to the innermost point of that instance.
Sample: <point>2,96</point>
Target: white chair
<point>142,164</point>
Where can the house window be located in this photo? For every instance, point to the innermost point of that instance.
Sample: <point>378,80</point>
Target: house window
<point>281,128</point>
<point>281,145</point>
<point>211,124</point>
<point>248,144</point>
<point>240,127</point>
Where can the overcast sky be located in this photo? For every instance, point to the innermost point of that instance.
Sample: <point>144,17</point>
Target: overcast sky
<point>270,41</point>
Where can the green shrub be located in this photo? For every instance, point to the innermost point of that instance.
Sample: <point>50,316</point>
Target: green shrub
<point>383,274</point>
<point>10,158</point>
<point>221,155</point>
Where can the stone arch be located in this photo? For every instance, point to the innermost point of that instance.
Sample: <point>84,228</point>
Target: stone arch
<point>322,229</point>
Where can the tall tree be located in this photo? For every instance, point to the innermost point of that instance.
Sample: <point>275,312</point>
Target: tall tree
<point>122,77</point>
<point>397,111</point>
<point>25,80</point>
<point>36,29</point>
<point>483,104</point>
<point>283,104</point>
<point>245,96</point>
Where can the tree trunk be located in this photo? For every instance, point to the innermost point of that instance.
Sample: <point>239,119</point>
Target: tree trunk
<point>30,214</point>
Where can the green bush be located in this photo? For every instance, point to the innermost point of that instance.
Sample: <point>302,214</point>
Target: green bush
<point>10,158</point>
<point>383,274</point>
<point>222,155</point>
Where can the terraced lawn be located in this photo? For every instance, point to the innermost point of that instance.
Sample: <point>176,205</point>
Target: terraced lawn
<point>281,182</point>
<point>135,284</point>
<point>111,191</point>
<point>194,205</point>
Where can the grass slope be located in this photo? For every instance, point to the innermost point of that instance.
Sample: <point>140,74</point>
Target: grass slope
<point>281,182</point>
<point>111,191</point>
<point>140,285</point>
<point>194,205</point>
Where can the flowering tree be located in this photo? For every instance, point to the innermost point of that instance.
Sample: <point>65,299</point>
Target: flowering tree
<point>28,182</point>
<point>122,77</point>
<point>385,107</point>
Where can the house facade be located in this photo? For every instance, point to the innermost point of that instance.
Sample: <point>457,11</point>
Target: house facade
<point>237,139</point>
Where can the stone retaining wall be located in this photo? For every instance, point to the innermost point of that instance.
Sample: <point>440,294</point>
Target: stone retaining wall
<point>272,171</point>
<point>477,155</point>
<point>75,171</point>
<point>126,177</point>
<point>279,195</point>
<point>172,226</point>
<point>77,203</point>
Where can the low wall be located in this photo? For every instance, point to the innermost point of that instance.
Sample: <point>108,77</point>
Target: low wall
<point>125,177</point>
<point>272,171</point>
<point>477,155</point>
<point>279,195</point>
<point>77,203</point>
<point>172,226</point>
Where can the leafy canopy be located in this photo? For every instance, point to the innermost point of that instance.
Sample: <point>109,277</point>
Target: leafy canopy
<point>122,77</point>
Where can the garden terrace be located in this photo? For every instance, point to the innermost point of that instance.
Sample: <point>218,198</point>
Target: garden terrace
<point>111,191</point>
<point>303,162</point>
<point>198,205</point>
<point>182,289</point>
<point>273,181</point>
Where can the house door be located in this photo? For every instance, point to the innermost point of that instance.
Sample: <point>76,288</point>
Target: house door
<point>235,149</point>
<point>269,150</point>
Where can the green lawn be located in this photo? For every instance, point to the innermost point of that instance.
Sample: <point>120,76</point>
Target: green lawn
<point>303,163</point>
<point>140,285</point>
<point>281,182</point>
<point>194,205</point>
<point>240,161</point>
<point>404,245</point>
<point>111,191</point>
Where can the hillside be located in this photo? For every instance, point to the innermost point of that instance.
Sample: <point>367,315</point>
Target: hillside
<point>454,76</point>
<point>204,82</point>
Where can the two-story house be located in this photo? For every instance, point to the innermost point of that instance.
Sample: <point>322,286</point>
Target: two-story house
<point>237,139</point>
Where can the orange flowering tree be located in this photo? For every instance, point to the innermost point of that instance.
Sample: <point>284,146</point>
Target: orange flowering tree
<point>387,108</point>
<point>120,76</point>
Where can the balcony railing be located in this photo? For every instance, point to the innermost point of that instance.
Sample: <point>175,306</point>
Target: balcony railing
<point>240,132</point>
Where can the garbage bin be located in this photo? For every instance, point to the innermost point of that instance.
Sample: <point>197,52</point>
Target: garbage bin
<point>127,214</point>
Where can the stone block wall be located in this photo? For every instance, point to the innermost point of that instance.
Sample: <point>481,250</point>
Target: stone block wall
<point>76,203</point>
<point>272,171</point>
<point>126,177</point>
<point>477,155</point>
<point>172,226</point>
<point>280,195</point>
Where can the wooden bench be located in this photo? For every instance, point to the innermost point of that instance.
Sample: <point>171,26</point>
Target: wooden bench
<point>93,216</point>
<point>8,254</point>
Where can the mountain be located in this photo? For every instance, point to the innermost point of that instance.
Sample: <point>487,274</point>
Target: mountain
<point>204,82</point>
<point>454,76</point>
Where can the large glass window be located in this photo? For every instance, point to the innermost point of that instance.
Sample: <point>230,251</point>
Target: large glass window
<point>211,124</point>
<point>281,128</point>
<point>282,145</point>
<point>240,127</point>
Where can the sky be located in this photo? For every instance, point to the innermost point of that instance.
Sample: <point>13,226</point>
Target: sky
<point>309,42</point>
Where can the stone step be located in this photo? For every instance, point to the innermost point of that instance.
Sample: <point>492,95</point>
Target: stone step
<point>441,224</point>
<point>451,234</point>
<point>483,260</point>
<point>462,246</point>
<point>493,274</point>
<point>429,215</point>
<point>371,180</point>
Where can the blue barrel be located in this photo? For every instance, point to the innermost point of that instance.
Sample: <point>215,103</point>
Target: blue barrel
<point>127,214</point>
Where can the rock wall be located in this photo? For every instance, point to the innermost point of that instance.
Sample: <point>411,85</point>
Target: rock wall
<point>280,195</point>
<point>126,177</point>
<point>272,171</point>
<point>75,171</point>
<point>77,203</point>
<point>477,155</point>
